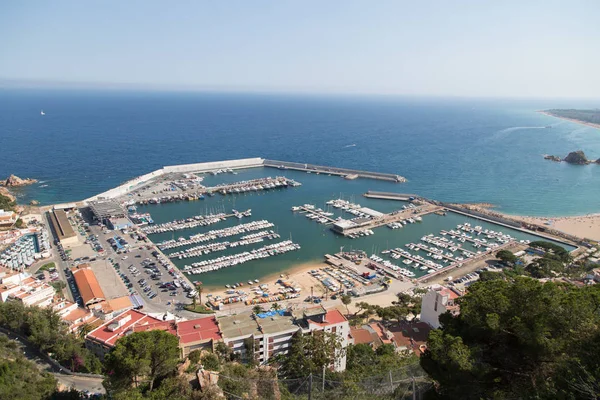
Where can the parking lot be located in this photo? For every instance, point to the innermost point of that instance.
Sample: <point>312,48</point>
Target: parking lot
<point>139,265</point>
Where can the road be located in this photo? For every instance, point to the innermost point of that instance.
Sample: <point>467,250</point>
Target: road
<point>80,383</point>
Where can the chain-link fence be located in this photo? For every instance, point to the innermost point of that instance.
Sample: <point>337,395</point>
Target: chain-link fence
<point>407,383</point>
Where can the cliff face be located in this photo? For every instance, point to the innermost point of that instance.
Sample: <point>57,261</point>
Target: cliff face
<point>14,180</point>
<point>576,157</point>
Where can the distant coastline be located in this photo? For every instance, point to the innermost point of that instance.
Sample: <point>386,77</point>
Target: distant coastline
<point>550,114</point>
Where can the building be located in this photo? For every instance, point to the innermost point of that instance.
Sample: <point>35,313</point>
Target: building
<point>103,338</point>
<point>7,218</point>
<point>436,302</point>
<point>24,288</point>
<point>103,210</point>
<point>343,225</point>
<point>198,334</point>
<point>73,315</point>
<point>62,229</point>
<point>267,336</point>
<point>201,333</point>
<point>88,286</point>
<point>270,334</point>
<point>332,321</point>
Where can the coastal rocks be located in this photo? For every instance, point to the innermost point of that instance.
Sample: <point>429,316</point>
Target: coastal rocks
<point>14,181</point>
<point>552,158</point>
<point>34,203</point>
<point>4,192</point>
<point>576,157</point>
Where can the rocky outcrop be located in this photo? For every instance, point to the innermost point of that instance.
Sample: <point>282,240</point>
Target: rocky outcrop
<point>34,203</point>
<point>4,192</point>
<point>552,158</point>
<point>576,157</point>
<point>14,181</point>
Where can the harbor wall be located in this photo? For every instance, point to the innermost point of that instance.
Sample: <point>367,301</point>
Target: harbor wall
<point>333,170</point>
<point>390,195</point>
<point>198,167</point>
<point>127,186</point>
<point>211,166</point>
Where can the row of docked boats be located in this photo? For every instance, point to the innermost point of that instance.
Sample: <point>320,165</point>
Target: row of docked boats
<point>182,224</point>
<point>392,266</point>
<point>171,198</point>
<point>199,251</point>
<point>241,258</point>
<point>216,234</point>
<point>361,233</point>
<point>254,185</point>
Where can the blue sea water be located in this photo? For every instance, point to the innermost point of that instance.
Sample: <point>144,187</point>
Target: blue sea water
<point>463,150</point>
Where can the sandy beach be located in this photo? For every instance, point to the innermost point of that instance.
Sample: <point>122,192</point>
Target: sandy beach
<point>297,274</point>
<point>590,124</point>
<point>583,226</point>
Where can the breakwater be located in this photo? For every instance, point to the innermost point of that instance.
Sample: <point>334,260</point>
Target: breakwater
<point>390,195</point>
<point>345,172</point>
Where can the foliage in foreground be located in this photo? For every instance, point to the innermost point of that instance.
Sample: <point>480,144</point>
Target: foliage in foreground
<point>518,339</point>
<point>44,328</point>
<point>19,377</point>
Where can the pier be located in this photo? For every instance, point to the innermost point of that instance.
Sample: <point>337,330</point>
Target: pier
<point>344,172</point>
<point>441,254</point>
<point>390,196</point>
<point>476,257</point>
<point>386,219</point>
<point>318,214</point>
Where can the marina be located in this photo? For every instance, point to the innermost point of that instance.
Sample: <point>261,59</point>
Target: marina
<point>326,218</point>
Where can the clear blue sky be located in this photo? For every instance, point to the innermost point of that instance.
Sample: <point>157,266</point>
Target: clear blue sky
<point>463,48</point>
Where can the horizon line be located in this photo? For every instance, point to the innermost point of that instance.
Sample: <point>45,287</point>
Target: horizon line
<point>165,88</point>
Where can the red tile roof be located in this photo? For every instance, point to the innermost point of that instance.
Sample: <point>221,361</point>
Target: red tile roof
<point>197,330</point>
<point>88,285</point>
<point>109,336</point>
<point>331,318</point>
<point>361,336</point>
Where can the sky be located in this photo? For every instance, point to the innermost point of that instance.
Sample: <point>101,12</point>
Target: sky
<point>430,48</point>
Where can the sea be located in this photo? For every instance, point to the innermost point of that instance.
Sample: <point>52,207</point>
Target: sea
<point>449,149</point>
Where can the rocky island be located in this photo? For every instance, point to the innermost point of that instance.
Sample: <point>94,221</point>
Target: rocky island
<point>15,181</point>
<point>575,157</point>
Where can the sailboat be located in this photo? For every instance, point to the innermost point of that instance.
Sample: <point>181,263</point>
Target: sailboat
<point>42,112</point>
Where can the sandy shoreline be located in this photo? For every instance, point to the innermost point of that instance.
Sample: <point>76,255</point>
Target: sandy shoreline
<point>590,124</point>
<point>298,274</point>
<point>583,226</point>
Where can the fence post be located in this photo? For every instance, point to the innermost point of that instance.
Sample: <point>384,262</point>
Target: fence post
<point>391,382</point>
<point>414,396</point>
<point>310,387</point>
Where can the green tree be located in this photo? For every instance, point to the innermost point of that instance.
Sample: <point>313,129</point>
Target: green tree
<point>309,353</point>
<point>507,257</point>
<point>19,377</point>
<point>210,362</point>
<point>150,355</point>
<point>194,356</point>
<point>517,339</point>
<point>275,307</point>
<point>346,300</point>
<point>257,309</point>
